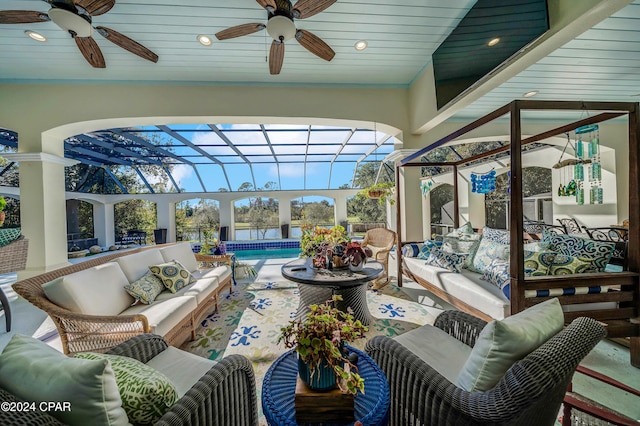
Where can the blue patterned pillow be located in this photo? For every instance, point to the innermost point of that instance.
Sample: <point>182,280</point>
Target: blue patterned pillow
<point>427,247</point>
<point>497,273</point>
<point>498,235</point>
<point>411,250</point>
<point>537,263</point>
<point>466,244</point>
<point>488,250</point>
<point>599,252</point>
<point>450,261</point>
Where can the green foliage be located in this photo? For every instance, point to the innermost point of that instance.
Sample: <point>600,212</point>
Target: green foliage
<point>3,203</point>
<point>320,336</point>
<point>313,237</point>
<point>244,269</point>
<point>384,189</point>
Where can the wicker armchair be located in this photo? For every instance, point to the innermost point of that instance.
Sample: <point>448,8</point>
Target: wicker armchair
<point>380,241</point>
<point>530,393</point>
<point>225,395</point>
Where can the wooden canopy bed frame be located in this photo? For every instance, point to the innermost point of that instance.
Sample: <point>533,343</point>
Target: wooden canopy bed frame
<point>621,321</point>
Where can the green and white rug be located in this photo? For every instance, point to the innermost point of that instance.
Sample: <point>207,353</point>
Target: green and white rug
<point>248,322</point>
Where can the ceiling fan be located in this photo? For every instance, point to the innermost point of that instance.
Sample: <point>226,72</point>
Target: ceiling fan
<point>75,17</point>
<point>281,28</point>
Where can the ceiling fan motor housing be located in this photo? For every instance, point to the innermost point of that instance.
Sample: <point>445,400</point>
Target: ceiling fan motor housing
<point>71,22</point>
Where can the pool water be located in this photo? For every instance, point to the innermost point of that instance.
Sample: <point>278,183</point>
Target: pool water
<point>268,253</point>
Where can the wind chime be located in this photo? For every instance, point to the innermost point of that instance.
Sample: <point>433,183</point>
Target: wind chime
<point>483,183</point>
<point>426,185</point>
<point>591,158</point>
<point>572,171</point>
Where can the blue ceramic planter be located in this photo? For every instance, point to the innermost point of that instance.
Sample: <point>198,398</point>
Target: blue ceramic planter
<point>324,378</point>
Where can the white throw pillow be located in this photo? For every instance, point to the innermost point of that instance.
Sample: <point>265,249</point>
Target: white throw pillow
<point>502,343</point>
<point>35,372</point>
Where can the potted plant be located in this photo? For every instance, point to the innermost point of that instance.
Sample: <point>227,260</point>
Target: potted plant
<point>382,191</point>
<point>356,256</point>
<point>313,237</point>
<point>319,341</point>
<point>3,204</point>
<point>243,270</point>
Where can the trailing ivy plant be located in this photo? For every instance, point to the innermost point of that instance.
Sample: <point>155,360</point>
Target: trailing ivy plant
<point>320,336</point>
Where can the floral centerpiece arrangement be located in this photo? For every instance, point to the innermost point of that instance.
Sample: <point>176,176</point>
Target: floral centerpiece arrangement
<point>210,245</point>
<point>319,341</point>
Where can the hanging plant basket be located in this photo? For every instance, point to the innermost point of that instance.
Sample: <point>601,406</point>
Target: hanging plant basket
<point>375,193</point>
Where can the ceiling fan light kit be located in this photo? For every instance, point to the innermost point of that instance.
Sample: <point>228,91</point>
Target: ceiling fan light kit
<point>281,28</point>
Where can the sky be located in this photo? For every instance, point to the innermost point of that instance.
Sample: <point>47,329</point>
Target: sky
<point>289,143</point>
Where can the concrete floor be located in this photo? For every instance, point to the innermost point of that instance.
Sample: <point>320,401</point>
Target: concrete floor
<point>608,358</point>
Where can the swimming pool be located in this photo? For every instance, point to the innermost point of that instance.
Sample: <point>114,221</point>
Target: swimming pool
<point>268,253</point>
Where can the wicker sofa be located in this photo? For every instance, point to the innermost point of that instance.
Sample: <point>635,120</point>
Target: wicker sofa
<point>210,393</point>
<point>93,312</point>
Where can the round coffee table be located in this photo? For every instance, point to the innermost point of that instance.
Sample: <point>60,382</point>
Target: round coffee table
<point>318,285</point>
<point>279,387</point>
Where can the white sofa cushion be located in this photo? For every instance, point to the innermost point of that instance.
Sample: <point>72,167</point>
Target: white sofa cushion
<point>502,343</point>
<point>166,315</point>
<point>34,371</point>
<point>447,355</point>
<point>201,290</point>
<point>466,286</point>
<point>136,265</point>
<point>182,253</point>
<point>219,272</point>
<point>94,291</point>
<point>182,368</point>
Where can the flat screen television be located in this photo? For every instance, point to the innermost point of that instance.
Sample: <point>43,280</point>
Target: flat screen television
<point>464,57</point>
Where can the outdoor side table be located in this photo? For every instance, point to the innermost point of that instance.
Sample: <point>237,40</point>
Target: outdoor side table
<point>279,386</point>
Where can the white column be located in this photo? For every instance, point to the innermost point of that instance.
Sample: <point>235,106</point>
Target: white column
<point>426,216</point>
<point>103,224</point>
<point>411,200</point>
<point>166,218</point>
<point>42,207</point>
<point>340,208</point>
<point>284,211</point>
<point>226,216</point>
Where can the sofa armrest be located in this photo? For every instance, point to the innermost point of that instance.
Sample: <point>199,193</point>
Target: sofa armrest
<point>24,417</point>
<point>92,333</point>
<point>462,326</point>
<point>143,347</point>
<point>208,259</point>
<point>225,395</point>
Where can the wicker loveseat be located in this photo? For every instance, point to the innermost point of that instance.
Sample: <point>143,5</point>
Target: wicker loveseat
<point>210,393</point>
<point>93,312</point>
<point>424,367</point>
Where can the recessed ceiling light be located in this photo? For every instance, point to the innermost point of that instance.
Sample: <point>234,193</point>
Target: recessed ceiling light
<point>493,41</point>
<point>36,36</point>
<point>361,45</point>
<point>204,40</point>
<point>530,94</point>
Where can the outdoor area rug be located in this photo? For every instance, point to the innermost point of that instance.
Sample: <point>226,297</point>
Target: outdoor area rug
<point>248,322</point>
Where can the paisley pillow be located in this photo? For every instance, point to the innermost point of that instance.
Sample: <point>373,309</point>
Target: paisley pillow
<point>146,289</point>
<point>450,261</point>
<point>598,251</point>
<point>497,273</point>
<point>487,251</point>
<point>498,235</point>
<point>146,393</point>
